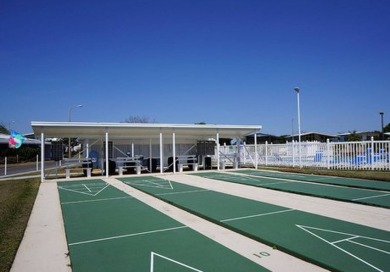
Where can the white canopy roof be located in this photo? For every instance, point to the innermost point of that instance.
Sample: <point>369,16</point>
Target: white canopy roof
<point>139,130</point>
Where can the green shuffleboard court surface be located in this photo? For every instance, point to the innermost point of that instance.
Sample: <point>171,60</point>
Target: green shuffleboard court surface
<point>349,182</point>
<point>349,194</point>
<point>333,244</point>
<point>108,230</point>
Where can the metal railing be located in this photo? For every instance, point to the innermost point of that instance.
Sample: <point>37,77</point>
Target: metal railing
<point>9,164</point>
<point>363,155</point>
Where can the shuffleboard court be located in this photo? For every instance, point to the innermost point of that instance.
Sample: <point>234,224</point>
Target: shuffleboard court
<point>108,230</point>
<point>349,182</point>
<point>333,244</point>
<point>335,192</point>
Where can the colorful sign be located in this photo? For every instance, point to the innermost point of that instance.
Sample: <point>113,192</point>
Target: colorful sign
<point>15,140</point>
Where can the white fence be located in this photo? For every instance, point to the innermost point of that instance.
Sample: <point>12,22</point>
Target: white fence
<point>365,155</point>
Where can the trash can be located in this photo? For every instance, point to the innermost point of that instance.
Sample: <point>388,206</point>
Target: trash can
<point>155,162</point>
<point>111,167</point>
<point>170,164</point>
<point>146,163</point>
<point>191,162</point>
<point>207,163</point>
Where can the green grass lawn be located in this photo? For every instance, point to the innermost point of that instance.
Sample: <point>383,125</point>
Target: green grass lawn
<point>16,201</point>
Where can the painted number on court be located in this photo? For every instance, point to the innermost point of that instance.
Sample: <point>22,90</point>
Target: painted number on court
<point>262,254</point>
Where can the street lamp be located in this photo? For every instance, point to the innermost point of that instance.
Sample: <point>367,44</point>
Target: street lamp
<point>70,111</point>
<point>383,132</point>
<point>292,129</point>
<point>70,120</point>
<point>296,89</point>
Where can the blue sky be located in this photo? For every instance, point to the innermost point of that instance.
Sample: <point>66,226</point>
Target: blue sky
<point>188,61</point>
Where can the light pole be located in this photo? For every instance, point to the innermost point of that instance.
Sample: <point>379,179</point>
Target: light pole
<point>296,89</point>
<point>292,130</point>
<point>70,111</point>
<point>70,120</point>
<point>383,132</point>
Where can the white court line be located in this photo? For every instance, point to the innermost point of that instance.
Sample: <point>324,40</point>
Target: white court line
<point>316,177</point>
<point>95,200</point>
<point>326,178</point>
<point>87,188</point>
<point>370,247</point>
<point>98,184</point>
<point>74,191</point>
<point>170,184</point>
<point>81,192</point>
<point>184,192</point>
<point>314,183</point>
<point>124,236</point>
<point>367,197</point>
<point>101,190</point>
<point>169,259</point>
<point>256,178</point>
<point>339,248</point>
<point>266,184</point>
<point>149,183</point>
<point>256,215</point>
<point>345,240</point>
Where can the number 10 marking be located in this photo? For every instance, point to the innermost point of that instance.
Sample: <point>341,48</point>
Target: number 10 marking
<point>262,254</point>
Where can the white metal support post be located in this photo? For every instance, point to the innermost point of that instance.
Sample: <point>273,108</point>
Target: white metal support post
<point>150,155</point>
<point>296,89</point>
<point>161,154</point>
<point>174,151</point>
<point>293,152</point>
<point>106,148</point>
<point>218,161</point>
<point>42,157</point>
<point>86,148</point>
<point>327,154</point>
<point>37,164</point>
<point>245,151</point>
<point>372,153</point>
<point>255,139</point>
<point>237,161</point>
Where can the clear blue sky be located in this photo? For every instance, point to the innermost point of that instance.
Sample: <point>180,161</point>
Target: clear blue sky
<point>188,61</point>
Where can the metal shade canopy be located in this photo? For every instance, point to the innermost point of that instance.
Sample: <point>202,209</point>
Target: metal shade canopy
<point>139,130</point>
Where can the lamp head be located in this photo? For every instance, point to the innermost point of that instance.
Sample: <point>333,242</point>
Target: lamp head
<point>296,89</point>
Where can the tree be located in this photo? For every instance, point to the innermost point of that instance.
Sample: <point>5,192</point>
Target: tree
<point>3,129</point>
<point>353,137</point>
<point>139,119</point>
<point>387,128</point>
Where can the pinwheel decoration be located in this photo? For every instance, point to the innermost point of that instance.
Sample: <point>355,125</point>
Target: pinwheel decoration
<point>15,139</point>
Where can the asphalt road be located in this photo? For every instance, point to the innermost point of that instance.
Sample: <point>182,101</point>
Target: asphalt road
<point>23,168</point>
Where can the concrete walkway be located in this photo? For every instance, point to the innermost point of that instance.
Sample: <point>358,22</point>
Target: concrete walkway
<point>44,246</point>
